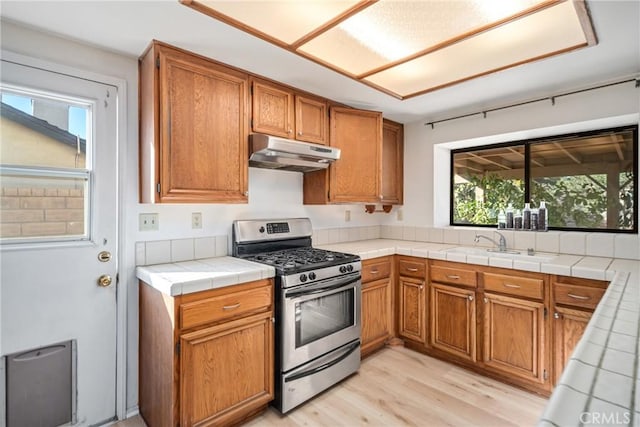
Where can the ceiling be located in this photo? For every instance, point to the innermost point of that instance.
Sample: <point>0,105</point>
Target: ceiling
<point>127,27</point>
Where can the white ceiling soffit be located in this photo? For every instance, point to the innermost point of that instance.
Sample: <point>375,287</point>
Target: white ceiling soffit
<point>407,48</point>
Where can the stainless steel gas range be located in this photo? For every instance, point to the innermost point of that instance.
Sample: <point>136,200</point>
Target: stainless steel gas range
<point>317,301</point>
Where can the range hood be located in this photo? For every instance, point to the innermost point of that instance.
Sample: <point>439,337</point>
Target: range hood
<point>272,152</point>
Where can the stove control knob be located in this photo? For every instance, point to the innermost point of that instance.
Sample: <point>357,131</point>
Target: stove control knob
<point>303,278</point>
<point>350,268</point>
<point>261,229</point>
<point>312,276</point>
<point>343,269</point>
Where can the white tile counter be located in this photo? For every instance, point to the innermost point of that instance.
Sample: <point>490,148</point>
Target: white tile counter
<point>203,274</point>
<point>600,385</point>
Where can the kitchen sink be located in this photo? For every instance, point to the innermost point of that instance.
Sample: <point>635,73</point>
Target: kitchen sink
<point>513,255</point>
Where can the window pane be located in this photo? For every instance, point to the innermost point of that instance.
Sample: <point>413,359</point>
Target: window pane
<point>43,207</point>
<point>486,181</point>
<point>586,181</point>
<point>38,131</point>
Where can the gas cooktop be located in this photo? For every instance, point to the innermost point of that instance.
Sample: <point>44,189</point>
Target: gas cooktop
<point>295,260</point>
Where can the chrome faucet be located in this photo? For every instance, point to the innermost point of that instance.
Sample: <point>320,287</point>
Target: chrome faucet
<point>501,245</point>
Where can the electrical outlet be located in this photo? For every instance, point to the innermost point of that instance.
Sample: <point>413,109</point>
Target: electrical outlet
<point>347,215</point>
<point>399,215</point>
<point>196,220</point>
<point>148,222</point>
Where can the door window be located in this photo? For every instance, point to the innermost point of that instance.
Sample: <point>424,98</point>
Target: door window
<point>45,166</point>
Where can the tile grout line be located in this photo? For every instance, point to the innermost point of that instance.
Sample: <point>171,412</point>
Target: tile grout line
<point>590,396</point>
<point>635,372</point>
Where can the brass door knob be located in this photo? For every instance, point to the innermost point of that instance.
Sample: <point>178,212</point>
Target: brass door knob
<point>104,280</point>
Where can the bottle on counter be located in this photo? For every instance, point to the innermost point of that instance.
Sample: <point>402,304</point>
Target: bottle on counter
<point>534,218</point>
<point>526,217</point>
<point>543,217</point>
<point>517,220</point>
<point>502,220</point>
<point>509,215</point>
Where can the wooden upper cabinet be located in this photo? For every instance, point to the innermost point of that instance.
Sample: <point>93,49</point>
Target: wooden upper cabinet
<point>272,109</point>
<point>193,129</point>
<point>279,111</point>
<point>355,177</point>
<point>392,178</point>
<point>311,119</point>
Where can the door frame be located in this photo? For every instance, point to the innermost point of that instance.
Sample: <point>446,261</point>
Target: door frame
<point>121,136</point>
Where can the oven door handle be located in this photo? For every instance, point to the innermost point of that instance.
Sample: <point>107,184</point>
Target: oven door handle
<point>305,292</point>
<point>353,347</point>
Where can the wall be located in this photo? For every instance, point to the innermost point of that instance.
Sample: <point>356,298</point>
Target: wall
<point>271,193</point>
<point>427,150</point>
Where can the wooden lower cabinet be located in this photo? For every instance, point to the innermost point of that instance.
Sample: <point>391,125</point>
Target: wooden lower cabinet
<point>574,300</point>
<point>453,320</point>
<point>206,358</point>
<point>226,369</point>
<point>514,337</point>
<point>376,315</point>
<point>412,309</point>
<point>569,325</point>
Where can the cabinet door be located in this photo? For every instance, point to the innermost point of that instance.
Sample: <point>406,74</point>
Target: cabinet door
<point>514,337</point>
<point>453,320</point>
<point>568,326</point>
<point>203,115</point>
<point>411,316</point>
<point>376,315</point>
<point>392,162</point>
<point>311,120</point>
<point>226,371</point>
<point>355,176</point>
<point>272,111</point>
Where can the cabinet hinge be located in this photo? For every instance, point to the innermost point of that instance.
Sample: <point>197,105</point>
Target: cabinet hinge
<point>158,62</point>
<point>252,123</point>
<point>251,90</point>
<point>545,376</point>
<point>178,349</point>
<point>158,188</point>
<point>545,312</point>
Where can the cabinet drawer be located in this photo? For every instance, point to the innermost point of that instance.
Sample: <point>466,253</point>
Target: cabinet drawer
<point>412,268</point>
<point>222,307</point>
<point>578,296</point>
<point>514,285</point>
<point>375,270</point>
<point>455,276</point>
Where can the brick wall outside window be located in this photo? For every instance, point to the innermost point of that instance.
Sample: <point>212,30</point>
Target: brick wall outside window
<point>34,212</point>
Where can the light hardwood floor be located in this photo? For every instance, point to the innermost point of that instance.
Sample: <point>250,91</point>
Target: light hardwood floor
<point>399,387</point>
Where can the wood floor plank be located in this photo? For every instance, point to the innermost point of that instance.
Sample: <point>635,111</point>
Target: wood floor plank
<point>400,387</point>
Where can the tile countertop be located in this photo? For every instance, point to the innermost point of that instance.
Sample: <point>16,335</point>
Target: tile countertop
<point>203,274</point>
<point>600,385</point>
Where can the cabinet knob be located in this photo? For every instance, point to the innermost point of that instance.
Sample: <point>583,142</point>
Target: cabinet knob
<point>556,315</point>
<point>289,131</point>
<point>470,297</point>
<point>246,194</point>
<point>486,300</point>
<point>299,133</point>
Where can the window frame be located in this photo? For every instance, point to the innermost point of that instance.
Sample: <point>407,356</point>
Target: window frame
<point>527,143</point>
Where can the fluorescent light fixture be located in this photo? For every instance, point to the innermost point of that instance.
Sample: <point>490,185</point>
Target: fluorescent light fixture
<point>406,48</point>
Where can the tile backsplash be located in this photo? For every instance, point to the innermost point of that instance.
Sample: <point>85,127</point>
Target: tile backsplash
<point>608,245</point>
<point>623,246</point>
<point>176,250</point>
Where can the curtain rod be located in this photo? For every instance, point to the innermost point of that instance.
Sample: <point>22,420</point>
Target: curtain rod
<point>550,98</point>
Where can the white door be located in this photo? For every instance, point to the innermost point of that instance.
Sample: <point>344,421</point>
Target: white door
<point>58,173</point>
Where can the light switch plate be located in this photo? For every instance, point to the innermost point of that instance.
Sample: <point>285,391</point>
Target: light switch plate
<point>148,222</point>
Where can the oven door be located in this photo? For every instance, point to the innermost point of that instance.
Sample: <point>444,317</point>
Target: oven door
<point>318,318</point>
